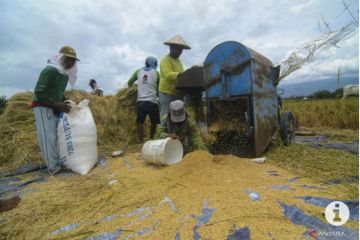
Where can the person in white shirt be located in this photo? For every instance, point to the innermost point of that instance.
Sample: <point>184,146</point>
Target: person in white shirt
<point>147,79</point>
<point>95,88</point>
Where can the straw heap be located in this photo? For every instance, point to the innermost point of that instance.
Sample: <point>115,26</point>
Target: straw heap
<point>114,117</point>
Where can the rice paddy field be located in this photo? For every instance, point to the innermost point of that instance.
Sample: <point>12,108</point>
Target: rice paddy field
<point>205,196</point>
<point>325,113</point>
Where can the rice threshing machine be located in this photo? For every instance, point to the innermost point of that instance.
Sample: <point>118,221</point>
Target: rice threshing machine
<point>243,109</point>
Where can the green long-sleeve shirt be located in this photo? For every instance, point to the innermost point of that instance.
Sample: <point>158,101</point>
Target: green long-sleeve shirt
<point>50,86</point>
<point>169,70</point>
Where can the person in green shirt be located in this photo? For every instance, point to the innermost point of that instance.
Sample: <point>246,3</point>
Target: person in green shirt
<point>170,68</point>
<point>177,125</point>
<point>48,103</point>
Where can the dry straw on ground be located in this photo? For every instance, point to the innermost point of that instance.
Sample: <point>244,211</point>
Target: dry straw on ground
<point>318,164</point>
<point>17,133</point>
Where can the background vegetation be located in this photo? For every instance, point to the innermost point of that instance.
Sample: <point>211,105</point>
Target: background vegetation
<point>320,113</point>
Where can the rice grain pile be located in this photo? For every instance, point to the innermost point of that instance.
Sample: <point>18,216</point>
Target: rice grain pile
<point>148,202</point>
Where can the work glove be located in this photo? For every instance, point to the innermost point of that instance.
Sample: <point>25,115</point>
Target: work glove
<point>61,107</point>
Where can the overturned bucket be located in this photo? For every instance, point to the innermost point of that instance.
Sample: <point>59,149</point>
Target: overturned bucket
<point>162,152</point>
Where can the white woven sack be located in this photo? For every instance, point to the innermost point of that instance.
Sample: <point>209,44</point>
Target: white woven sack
<point>77,138</point>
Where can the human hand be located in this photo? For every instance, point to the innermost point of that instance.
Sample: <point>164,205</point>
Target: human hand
<point>61,107</point>
<point>173,136</point>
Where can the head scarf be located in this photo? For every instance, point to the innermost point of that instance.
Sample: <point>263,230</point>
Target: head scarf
<point>150,63</point>
<point>55,61</point>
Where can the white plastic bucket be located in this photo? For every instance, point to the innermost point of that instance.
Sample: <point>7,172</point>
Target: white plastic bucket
<point>162,152</point>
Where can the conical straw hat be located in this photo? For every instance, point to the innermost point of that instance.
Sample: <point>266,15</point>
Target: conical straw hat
<point>177,40</point>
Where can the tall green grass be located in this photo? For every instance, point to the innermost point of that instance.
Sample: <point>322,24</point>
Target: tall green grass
<point>329,113</point>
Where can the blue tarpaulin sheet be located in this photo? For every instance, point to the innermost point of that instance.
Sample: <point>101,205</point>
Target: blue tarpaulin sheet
<point>202,219</point>
<point>353,205</point>
<point>298,217</point>
<point>240,234</point>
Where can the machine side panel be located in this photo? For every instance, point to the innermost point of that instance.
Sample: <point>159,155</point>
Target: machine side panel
<point>265,106</point>
<point>239,83</point>
<point>223,57</point>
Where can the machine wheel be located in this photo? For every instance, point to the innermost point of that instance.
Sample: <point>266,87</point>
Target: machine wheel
<point>287,128</point>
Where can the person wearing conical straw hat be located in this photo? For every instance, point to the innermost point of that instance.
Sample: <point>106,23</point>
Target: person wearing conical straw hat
<point>48,103</point>
<point>170,68</point>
